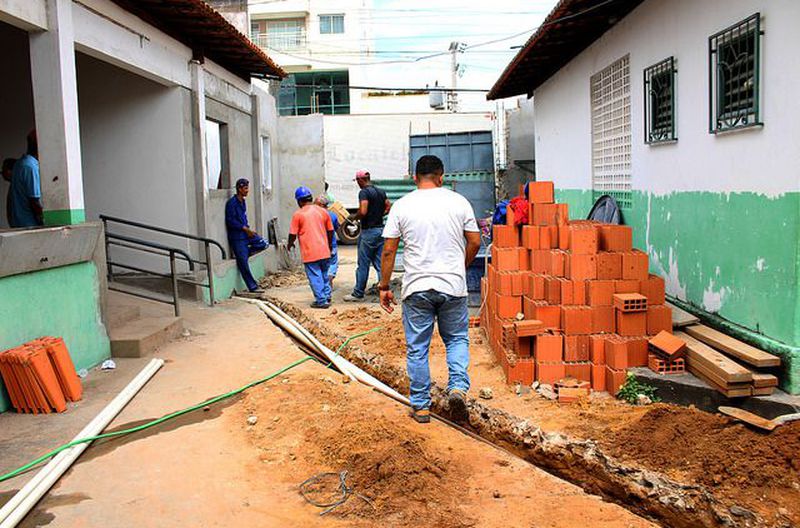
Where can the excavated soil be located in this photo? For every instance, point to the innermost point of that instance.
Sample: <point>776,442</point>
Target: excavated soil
<point>283,278</point>
<point>729,458</point>
<point>740,467</point>
<point>412,475</point>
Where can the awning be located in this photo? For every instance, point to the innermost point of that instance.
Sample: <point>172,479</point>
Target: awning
<point>571,27</point>
<point>207,33</point>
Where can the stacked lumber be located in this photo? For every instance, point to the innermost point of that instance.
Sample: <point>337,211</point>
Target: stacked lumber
<point>40,376</point>
<point>569,298</point>
<point>717,359</point>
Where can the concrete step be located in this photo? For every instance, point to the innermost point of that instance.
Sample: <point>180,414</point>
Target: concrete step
<point>162,286</point>
<point>141,337</point>
<point>121,314</point>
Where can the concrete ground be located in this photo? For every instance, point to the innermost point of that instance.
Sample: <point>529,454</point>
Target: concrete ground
<point>212,469</point>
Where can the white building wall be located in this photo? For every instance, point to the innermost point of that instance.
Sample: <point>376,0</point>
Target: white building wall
<point>652,32</point>
<point>380,144</point>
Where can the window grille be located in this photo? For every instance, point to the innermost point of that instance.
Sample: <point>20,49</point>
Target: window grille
<point>734,80</point>
<point>659,102</point>
<point>611,132</point>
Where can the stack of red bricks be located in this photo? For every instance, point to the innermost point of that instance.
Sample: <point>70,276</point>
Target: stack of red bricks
<point>549,298</point>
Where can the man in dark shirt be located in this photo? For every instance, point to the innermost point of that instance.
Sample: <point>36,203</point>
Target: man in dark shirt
<point>372,206</point>
<point>242,240</point>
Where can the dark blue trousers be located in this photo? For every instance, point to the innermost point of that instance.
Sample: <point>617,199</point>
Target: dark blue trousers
<point>242,249</point>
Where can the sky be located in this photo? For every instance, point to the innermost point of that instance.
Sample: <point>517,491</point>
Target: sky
<point>408,29</point>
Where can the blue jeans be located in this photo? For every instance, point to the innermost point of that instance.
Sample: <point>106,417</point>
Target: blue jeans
<point>242,249</point>
<point>419,312</point>
<point>317,273</point>
<point>370,247</point>
<point>333,266</point>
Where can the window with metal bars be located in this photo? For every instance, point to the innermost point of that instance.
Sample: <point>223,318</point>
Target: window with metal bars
<point>734,56</point>
<point>611,132</point>
<point>659,102</point>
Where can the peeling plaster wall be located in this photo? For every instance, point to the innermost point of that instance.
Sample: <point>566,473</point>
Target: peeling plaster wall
<point>719,215</point>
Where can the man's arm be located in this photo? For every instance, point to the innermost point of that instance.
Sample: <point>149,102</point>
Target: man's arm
<point>390,246</point>
<point>473,245</point>
<point>330,240</point>
<point>290,242</point>
<point>387,205</point>
<point>33,190</point>
<point>38,210</point>
<point>363,206</point>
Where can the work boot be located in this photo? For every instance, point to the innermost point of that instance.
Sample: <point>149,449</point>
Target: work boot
<point>457,403</point>
<point>353,298</point>
<point>321,306</point>
<point>257,290</point>
<point>422,416</point>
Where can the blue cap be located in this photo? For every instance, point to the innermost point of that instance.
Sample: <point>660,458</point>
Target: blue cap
<point>301,193</point>
<point>242,182</point>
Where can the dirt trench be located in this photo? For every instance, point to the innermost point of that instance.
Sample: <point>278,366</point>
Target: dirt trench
<point>597,467</point>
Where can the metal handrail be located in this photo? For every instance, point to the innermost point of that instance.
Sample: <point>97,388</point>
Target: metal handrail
<point>137,244</point>
<point>106,218</point>
<point>153,245</point>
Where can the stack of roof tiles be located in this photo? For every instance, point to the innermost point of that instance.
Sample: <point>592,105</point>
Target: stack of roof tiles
<point>569,298</point>
<point>40,376</point>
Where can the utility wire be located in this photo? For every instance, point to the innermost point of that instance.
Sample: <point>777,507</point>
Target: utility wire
<point>443,53</point>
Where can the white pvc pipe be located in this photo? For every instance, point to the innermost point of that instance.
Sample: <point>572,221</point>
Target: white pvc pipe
<point>282,319</point>
<point>26,498</point>
<point>293,327</point>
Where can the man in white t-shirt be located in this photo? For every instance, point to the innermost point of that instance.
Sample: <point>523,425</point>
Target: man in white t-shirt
<point>440,238</point>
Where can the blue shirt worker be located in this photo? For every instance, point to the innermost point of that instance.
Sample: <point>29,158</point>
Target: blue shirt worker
<point>243,241</point>
<point>333,264</point>
<point>372,206</point>
<point>26,194</point>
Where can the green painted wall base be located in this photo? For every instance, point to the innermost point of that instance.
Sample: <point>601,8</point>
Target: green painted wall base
<point>61,302</point>
<point>734,255</point>
<point>64,217</point>
<point>229,281</point>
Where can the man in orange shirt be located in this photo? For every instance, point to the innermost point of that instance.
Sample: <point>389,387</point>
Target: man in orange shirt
<point>312,226</point>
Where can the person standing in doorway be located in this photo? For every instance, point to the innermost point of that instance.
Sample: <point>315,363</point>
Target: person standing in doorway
<point>242,240</point>
<point>8,169</point>
<point>26,194</point>
<point>441,238</point>
<point>312,226</point>
<point>372,206</point>
<point>333,264</point>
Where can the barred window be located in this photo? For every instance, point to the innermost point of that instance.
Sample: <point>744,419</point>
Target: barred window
<point>659,102</point>
<point>734,76</point>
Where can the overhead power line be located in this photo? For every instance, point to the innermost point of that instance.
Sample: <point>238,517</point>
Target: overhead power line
<point>443,53</point>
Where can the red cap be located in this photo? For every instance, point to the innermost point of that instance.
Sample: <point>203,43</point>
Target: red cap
<point>362,173</point>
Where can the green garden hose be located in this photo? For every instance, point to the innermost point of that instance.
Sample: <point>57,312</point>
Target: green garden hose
<point>170,416</point>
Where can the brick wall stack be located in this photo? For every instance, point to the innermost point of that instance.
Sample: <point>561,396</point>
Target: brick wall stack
<point>549,306</point>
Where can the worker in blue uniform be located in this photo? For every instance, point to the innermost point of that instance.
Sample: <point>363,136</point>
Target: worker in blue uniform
<point>243,241</point>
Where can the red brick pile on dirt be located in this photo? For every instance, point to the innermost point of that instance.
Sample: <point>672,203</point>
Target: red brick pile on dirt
<point>40,376</point>
<point>569,298</point>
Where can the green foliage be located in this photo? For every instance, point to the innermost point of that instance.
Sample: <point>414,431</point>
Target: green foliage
<point>632,388</point>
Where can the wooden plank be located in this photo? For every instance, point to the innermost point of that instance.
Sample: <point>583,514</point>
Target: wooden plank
<point>763,391</point>
<point>722,366</point>
<point>681,318</point>
<point>761,379</point>
<point>733,347</point>
<point>736,392</point>
<point>708,375</point>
